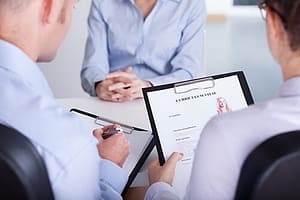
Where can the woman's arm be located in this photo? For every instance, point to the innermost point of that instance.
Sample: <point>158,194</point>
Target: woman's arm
<point>95,65</point>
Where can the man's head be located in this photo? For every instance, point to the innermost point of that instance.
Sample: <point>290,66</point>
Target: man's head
<point>283,27</point>
<point>15,5</point>
<point>38,27</point>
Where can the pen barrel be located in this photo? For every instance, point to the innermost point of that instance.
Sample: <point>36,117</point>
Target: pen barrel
<point>110,132</point>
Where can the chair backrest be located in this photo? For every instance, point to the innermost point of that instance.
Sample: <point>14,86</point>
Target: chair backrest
<point>23,174</point>
<point>272,170</point>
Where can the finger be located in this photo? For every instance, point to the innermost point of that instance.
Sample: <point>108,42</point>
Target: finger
<point>125,80</point>
<point>121,99</point>
<point>117,96</point>
<point>154,163</point>
<point>173,159</point>
<point>120,74</point>
<point>121,137</point>
<point>110,99</point>
<point>136,95</point>
<point>128,69</point>
<point>123,92</point>
<point>119,85</point>
<point>136,87</point>
<point>125,98</point>
<point>98,134</point>
<point>105,95</point>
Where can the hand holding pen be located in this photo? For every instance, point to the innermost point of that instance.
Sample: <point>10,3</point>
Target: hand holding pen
<point>111,131</point>
<point>113,144</point>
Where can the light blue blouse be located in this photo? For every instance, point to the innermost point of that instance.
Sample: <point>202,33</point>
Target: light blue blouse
<point>165,47</point>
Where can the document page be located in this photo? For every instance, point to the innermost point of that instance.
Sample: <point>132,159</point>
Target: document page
<point>181,113</point>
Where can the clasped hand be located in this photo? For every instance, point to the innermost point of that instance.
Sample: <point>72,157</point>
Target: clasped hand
<point>121,86</point>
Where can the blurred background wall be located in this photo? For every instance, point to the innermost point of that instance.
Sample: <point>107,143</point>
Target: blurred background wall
<point>235,40</point>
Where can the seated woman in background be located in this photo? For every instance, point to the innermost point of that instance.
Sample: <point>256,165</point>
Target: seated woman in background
<point>227,139</point>
<point>134,44</point>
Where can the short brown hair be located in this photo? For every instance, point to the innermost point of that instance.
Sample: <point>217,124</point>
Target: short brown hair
<point>290,10</point>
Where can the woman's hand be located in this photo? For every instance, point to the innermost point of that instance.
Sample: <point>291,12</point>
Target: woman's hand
<point>127,84</point>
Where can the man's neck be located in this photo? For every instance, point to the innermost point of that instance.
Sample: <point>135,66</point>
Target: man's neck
<point>19,34</point>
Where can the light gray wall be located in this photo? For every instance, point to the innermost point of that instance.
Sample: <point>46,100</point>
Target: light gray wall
<point>63,74</point>
<point>238,43</point>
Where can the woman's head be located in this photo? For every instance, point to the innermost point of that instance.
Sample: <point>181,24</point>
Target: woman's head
<point>283,27</point>
<point>288,12</point>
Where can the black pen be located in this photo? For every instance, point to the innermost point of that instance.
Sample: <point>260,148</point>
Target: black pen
<point>111,132</point>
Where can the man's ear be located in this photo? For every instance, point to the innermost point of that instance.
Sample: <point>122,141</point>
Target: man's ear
<point>47,9</point>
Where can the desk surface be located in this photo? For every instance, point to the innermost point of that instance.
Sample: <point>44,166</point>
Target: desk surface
<point>132,113</point>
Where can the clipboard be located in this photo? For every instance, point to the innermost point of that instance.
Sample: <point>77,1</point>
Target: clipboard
<point>181,101</point>
<point>144,142</point>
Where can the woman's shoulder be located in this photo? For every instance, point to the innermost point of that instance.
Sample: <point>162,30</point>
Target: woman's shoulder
<point>192,5</point>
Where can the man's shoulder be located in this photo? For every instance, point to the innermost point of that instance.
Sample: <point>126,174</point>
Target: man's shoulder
<point>10,82</point>
<point>39,117</point>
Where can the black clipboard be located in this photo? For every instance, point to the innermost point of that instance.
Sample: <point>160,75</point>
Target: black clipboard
<point>127,130</point>
<point>210,83</point>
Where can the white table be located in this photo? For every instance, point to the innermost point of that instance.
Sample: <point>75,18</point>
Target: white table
<point>132,113</point>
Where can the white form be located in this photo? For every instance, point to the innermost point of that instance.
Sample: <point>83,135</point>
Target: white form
<point>181,113</point>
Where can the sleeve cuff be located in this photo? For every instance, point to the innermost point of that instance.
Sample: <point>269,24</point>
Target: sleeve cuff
<point>112,174</point>
<point>159,189</point>
<point>89,78</point>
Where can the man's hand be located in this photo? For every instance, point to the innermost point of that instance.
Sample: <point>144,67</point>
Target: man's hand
<point>163,173</point>
<point>127,84</point>
<point>115,148</point>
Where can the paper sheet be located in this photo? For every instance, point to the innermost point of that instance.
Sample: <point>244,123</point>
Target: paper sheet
<point>181,114</point>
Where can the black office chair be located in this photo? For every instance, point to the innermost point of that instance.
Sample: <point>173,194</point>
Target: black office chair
<point>272,170</point>
<point>23,174</point>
